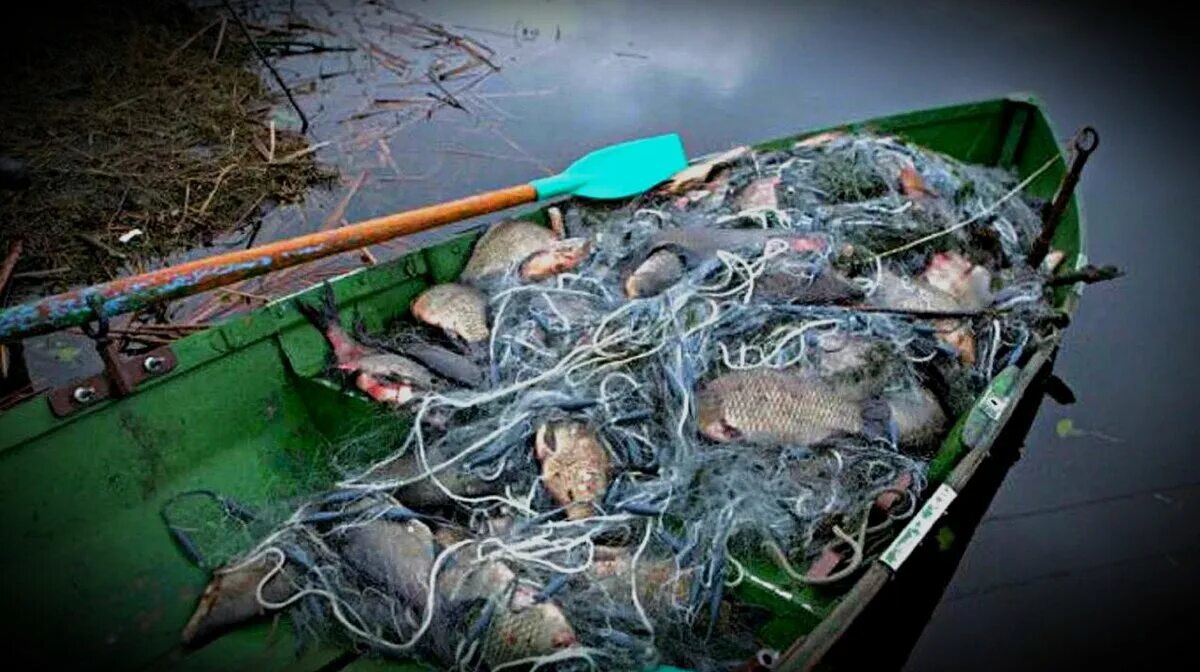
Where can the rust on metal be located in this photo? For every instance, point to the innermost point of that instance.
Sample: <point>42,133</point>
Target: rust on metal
<point>121,376</point>
<point>1082,146</point>
<point>133,293</point>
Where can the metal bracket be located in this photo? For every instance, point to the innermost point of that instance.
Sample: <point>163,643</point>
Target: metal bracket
<point>121,377</point>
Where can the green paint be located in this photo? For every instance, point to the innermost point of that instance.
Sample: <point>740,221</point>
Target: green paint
<point>244,414</point>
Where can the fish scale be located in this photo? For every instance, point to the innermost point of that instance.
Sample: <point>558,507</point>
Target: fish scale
<point>457,309</point>
<point>769,406</point>
<point>503,246</point>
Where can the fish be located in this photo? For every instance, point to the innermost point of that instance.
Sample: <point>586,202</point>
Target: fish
<point>966,282</point>
<point>695,243</point>
<point>231,599</point>
<point>768,406</point>
<point>701,171</point>
<point>858,366</point>
<point>425,493</point>
<point>384,376</point>
<point>671,252</point>
<point>894,291</point>
<point>531,631</point>
<point>457,309</point>
<point>758,194</point>
<point>659,271</point>
<point>520,626</point>
<point>504,246</point>
<point>558,257</point>
<point>912,184</point>
<point>575,465</point>
<point>396,556</point>
<point>917,417</point>
<point>445,363</point>
<point>825,286</point>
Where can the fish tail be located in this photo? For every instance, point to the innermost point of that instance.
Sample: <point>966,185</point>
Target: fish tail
<point>325,317</point>
<point>322,314</point>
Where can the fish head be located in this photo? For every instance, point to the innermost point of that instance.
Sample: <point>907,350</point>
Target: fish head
<point>558,257</point>
<point>954,274</point>
<point>397,393</point>
<point>659,271</point>
<point>712,420</point>
<point>421,308</point>
<point>575,466</point>
<point>537,630</point>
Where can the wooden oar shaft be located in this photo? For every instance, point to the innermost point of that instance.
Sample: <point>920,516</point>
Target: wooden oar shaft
<point>133,293</point>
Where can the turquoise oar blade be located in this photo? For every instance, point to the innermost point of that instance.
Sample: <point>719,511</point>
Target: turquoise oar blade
<point>618,171</point>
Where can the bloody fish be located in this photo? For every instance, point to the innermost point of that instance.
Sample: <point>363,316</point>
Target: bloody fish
<point>558,257</point>
<point>384,376</point>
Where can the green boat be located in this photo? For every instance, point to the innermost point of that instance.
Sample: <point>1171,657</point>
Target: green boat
<point>92,575</point>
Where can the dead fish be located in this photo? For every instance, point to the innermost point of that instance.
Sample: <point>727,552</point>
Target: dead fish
<point>395,555</point>
<point>825,287</point>
<point>445,363</point>
<point>466,579</point>
<point>758,194</point>
<point>457,309</point>
<point>894,291</point>
<point>700,172</point>
<point>383,376</point>
<point>859,367</point>
<point>913,185</point>
<point>504,246</point>
<point>695,243</point>
<point>520,627</point>
<point>536,630</point>
<point>818,139</point>
<point>426,493</point>
<point>659,271</point>
<point>967,283</point>
<point>575,467</point>
<point>917,417</point>
<point>773,407</point>
<point>558,257</point>
<point>231,599</point>
<point>672,251</point>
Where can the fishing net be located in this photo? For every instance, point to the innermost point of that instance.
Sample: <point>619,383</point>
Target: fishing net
<point>881,273</point>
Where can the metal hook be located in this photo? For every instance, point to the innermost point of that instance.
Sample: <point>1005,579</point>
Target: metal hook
<point>1086,140</point>
<point>99,333</point>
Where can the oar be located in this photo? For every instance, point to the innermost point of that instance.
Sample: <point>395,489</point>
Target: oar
<point>617,171</point>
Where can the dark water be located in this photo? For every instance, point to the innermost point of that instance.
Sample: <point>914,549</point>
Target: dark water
<point>1090,549</point>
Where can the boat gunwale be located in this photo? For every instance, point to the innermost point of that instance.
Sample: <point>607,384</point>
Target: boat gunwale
<point>33,419</point>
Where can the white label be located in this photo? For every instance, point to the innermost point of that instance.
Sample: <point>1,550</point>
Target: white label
<point>918,527</point>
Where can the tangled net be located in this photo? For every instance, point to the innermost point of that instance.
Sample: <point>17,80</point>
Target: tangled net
<point>442,539</point>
